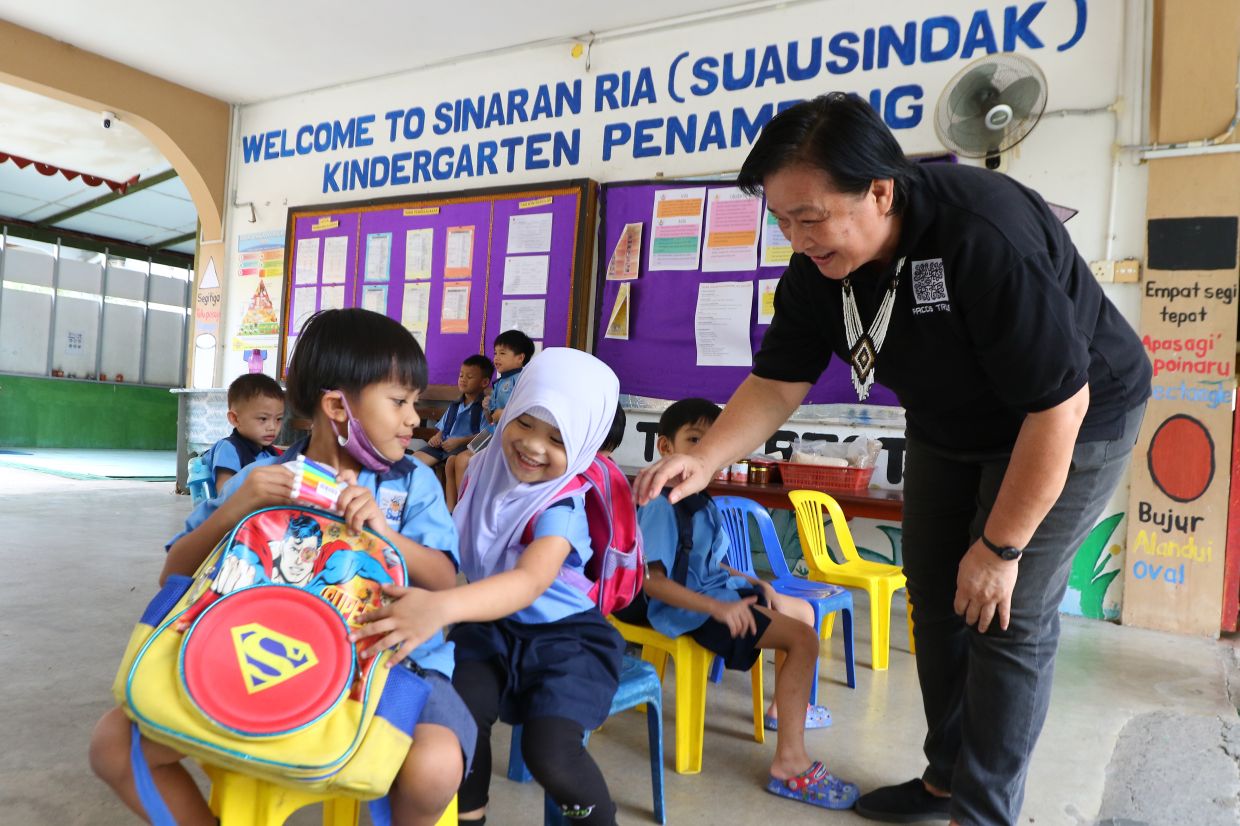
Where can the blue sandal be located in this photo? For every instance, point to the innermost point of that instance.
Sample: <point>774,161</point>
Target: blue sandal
<point>815,717</point>
<point>817,787</point>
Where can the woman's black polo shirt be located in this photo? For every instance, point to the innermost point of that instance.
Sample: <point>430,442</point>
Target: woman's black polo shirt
<point>996,315</point>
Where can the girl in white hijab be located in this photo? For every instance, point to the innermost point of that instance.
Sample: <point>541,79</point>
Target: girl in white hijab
<point>531,647</point>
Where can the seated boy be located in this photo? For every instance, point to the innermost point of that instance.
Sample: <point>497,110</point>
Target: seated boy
<point>690,590</point>
<point>464,417</point>
<point>512,350</point>
<point>255,410</point>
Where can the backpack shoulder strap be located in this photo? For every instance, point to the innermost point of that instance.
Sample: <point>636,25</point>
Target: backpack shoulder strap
<point>685,510</point>
<point>475,416</point>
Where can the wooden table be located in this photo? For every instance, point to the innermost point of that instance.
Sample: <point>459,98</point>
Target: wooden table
<point>872,503</point>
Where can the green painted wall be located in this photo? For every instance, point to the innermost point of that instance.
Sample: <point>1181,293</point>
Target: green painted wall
<point>45,412</point>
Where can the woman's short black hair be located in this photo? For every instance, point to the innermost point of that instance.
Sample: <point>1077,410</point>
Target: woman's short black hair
<point>349,350</point>
<point>616,435</point>
<point>837,133</point>
<point>686,412</point>
<point>518,342</point>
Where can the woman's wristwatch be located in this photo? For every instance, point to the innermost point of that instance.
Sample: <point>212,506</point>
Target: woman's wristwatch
<point>1004,552</point>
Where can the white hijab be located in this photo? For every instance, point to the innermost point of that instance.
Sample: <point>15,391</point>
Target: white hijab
<point>576,390</point>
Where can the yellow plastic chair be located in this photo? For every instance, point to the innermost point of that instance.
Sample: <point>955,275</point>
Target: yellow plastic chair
<point>241,800</point>
<point>879,581</point>
<point>692,663</point>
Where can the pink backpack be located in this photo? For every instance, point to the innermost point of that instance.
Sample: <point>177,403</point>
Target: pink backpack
<point>613,576</point>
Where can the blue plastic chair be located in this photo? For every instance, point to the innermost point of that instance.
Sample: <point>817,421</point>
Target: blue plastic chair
<point>639,684</point>
<point>825,599</point>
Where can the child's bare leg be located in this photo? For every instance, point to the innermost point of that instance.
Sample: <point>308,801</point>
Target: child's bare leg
<point>425,458</point>
<point>452,478</point>
<point>109,758</point>
<point>799,643</point>
<point>429,777</point>
<point>801,611</point>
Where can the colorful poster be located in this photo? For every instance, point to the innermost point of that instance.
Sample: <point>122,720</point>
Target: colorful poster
<point>618,321</point>
<point>418,246</point>
<point>527,315</point>
<point>676,229</point>
<point>454,312</point>
<point>625,263</point>
<point>459,257</point>
<point>260,317</point>
<point>379,256</point>
<point>732,221</point>
<point>306,269</point>
<point>526,274</point>
<point>335,259</point>
<point>776,249</point>
<point>261,254</point>
<point>766,299</point>
<point>529,233</point>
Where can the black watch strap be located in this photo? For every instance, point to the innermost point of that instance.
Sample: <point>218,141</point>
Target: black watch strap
<point>1005,552</point>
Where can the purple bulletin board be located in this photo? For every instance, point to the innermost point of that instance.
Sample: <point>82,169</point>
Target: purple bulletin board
<point>659,358</point>
<point>444,351</point>
<point>566,313</point>
<point>557,321</point>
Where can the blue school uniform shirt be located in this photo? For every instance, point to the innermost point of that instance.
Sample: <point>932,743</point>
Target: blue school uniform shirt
<point>501,390</point>
<point>411,500</point>
<point>565,518</point>
<point>459,419</point>
<point>234,452</point>
<point>705,575</point>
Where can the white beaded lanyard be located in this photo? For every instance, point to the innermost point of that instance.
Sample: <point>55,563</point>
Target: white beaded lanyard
<point>863,347</point>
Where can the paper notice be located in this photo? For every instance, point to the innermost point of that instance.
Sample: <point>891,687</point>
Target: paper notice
<point>625,264</point>
<point>304,299</point>
<point>374,298</point>
<point>415,307</point>
<point>721,324</point>
<point>335,259</point>
<point>618,321</point>
<point>331,298</point>
<point>529,233</point>
<point>306,270</point>
<point>776,249</point>
<point>766,299</point>
<point>418,245</point>
<point>459,260</point>
<point>732,220</point>
<point>379,256</point>
<point>454,314</point>
<point>525,314</point>
<point>676,229</point>
<point>526,274</point>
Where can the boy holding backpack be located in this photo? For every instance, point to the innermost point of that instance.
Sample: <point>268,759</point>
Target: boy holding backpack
<point>691,590</point>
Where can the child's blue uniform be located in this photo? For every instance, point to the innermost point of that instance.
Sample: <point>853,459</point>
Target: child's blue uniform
<point>501,390</point>
<point>411,500</point>
<point>460,420</point>
<point>234,452</point>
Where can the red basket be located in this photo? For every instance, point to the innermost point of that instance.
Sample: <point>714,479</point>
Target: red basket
<point>819,477</point>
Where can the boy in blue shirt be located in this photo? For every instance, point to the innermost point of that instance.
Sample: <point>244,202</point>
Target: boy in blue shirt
<point>513,350</point>
<point>255,410</point>
<point>691,590</point>
<point>465,416</point>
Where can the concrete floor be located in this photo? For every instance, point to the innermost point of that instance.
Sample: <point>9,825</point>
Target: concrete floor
<point>1141,730</point>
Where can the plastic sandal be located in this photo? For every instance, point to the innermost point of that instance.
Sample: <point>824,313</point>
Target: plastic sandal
<point>817,787</point>
<point>815,717</point>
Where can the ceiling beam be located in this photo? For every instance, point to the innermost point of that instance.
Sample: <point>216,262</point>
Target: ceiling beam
<point>94,243</point>
<point>172,242</point>
<point>147,183</point>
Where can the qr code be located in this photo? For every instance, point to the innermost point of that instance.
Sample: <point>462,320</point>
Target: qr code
<point>929,282</point>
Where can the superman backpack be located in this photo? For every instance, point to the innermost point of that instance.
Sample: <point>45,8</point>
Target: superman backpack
<point>614,574</point>
<point>248,665</point>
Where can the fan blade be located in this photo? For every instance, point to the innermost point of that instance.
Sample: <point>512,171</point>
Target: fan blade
<point>1022,96</point>
<point>973,137</point>
<point>972,96</point>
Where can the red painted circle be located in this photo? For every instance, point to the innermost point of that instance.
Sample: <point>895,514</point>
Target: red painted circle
<point>267,660</point>
<point>1181,458</point>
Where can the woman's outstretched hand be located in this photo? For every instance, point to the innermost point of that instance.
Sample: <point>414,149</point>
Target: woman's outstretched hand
<point>688,474</point>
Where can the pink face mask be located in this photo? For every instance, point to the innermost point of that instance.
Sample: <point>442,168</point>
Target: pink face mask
<point>357,444</point>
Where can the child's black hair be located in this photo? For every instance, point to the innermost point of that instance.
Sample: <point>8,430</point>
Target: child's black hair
<point>616,435</point>
<point>686,412</point>
<point>518,342</point>
<point>349,350</point>
<point>252,386</point>
<point>482,363</point>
